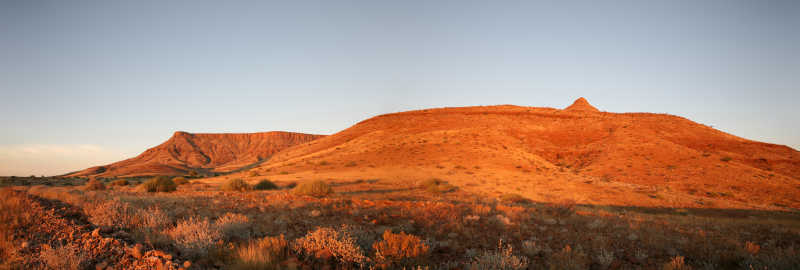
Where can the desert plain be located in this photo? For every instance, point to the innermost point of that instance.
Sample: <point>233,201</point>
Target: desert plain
<point>486,187</point>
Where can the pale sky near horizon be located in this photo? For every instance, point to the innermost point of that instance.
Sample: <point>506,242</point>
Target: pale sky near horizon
<point>85,83</point>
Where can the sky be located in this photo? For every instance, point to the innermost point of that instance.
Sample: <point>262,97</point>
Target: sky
<point>84,83</point>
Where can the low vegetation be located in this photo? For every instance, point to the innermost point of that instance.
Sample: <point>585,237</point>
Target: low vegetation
<point>159,184</point>
<point>236,184</point>
<point>180,180</point>
<point>120,182</point>
<point>317,188</point>
<point>263,253</point>
<point>94,184</point>
<point>265,185</point>
<point>359,229</point>
<point>437,186</point>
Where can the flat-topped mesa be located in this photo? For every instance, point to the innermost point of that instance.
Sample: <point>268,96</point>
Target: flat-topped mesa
<point>581,104</point>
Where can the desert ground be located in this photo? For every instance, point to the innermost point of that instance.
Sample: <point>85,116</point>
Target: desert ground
<point>494,187</point>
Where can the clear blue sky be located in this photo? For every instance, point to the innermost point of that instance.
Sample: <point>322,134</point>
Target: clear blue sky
<point>90,82</point>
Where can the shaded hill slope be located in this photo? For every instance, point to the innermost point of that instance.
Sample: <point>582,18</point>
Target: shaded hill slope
<point>185,152</point>
<point>551,155</point>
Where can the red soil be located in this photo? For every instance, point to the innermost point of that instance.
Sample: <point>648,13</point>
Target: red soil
<point>185,152</point>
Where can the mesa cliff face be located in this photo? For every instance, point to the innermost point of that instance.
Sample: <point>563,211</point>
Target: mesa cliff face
<point>201,152</point>
<point>546,154</point>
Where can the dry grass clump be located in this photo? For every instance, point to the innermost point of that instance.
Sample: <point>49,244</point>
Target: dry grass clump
<point>120,182</point>
<point>500,259</point>
<point>15,215</point>
<point>180,180</point>
<point>154,218</point>
<point>437,186</point>
<point>94,184</point>
<point>64,257</point>
<point>234,226</point>
<point>316,188</point>
<point>676,263</point>
<point>569,259</point>
<point>159,184</point>
<point>194,237</point>
<point>264,253</point>
<point>236,184</point>
<point>400,249</point>
<point>112,213</point>
<point>265,185</point>
<point>327,243</point>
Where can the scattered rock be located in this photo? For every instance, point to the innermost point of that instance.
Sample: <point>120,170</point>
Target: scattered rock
<point>550,221</point>
<point>187,264</point>
<point>315,213</point>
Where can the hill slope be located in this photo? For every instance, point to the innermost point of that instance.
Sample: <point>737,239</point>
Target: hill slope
<point>550,155</point>
<point>185,152</point>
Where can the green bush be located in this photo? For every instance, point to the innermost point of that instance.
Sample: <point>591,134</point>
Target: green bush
<point>120,182</point>
<point>94,184</point>
<point>236,184</point>
<point>265,185</point>
<point>316,188</point>
<point>180,180</point>
<point>159,184</point>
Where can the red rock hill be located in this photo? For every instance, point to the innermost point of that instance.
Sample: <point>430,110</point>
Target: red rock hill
<point>185,152</point>
<point>549,155</point>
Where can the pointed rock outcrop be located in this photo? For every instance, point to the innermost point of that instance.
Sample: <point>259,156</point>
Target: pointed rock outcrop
<point>581,104</point>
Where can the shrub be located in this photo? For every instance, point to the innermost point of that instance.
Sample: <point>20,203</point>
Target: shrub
<point>94,184</point>
<point>437,186</point>
<point>180,181</point>
<point>264,253</point>
<point>325,243</point>
<point>399,248</point>
<point>234,226</point>
<point>236,184</point>
<point>154,218</point>
<point>676,263</point>
<point>569,259</point>
<point>112,213</point>
<point>265,185</point>
<point>501,259</point>
<point>563,209</point>
<point>64,257</point>
<point>159,184</point>
<point>194,237</point>
<point>725,159</point>
<point>511,198</point>
<point>120,182</point>
<point>316,188</point>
